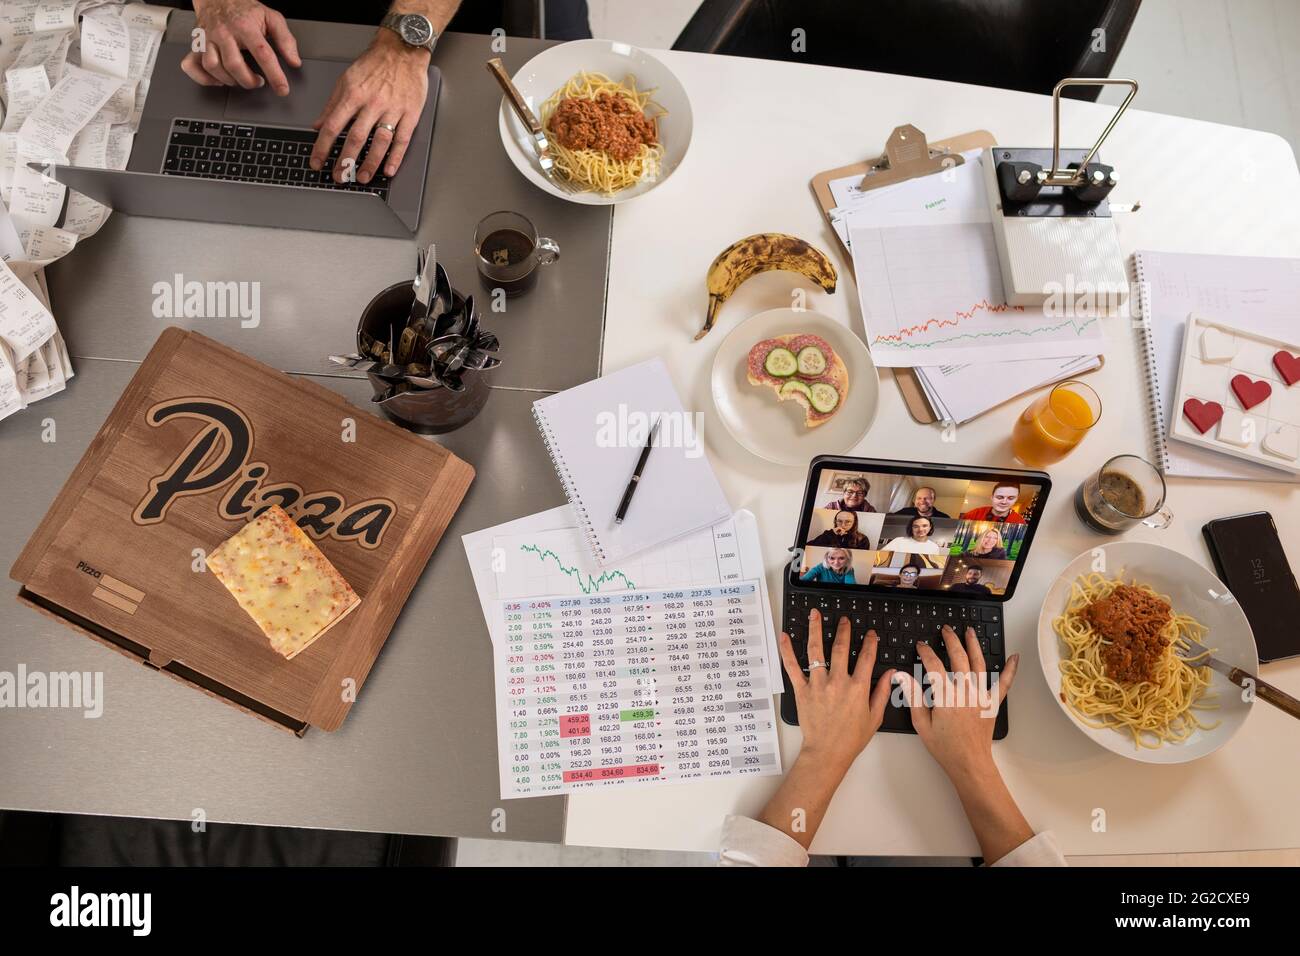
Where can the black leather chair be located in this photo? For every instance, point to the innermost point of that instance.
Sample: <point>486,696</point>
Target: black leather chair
<point>52,839</point>
<point>1013,44</point>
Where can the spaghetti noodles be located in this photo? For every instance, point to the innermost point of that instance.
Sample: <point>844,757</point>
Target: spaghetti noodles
<point>611,115</point>
<point>1156,709</point>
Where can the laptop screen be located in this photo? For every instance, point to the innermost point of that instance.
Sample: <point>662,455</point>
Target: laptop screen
<point>908,528</point>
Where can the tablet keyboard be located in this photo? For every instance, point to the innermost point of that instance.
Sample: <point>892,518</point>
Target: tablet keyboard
<point>900,625</point>
<point>258,154</point>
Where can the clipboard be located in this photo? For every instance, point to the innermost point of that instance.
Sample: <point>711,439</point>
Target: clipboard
<point>907,156</point>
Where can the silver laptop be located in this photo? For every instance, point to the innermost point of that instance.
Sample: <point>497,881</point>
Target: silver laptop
<point>223,154</point>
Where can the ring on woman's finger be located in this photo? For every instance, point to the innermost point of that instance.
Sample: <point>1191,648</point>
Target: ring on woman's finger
<point>813,665</point>
<point>391,127</point>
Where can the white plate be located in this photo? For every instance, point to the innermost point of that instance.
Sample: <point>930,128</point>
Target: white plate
<point>549,70</point>
<point>1189,587</point>
<point>774,429</point>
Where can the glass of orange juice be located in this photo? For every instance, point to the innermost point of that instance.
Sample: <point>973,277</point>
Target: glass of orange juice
<point>1049,429</point>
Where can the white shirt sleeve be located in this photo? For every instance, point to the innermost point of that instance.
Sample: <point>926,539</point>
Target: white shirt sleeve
<point>1039,850</point>
<point>747,842</point>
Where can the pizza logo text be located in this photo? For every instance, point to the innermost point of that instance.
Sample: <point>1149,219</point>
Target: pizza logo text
<point>219,456</point>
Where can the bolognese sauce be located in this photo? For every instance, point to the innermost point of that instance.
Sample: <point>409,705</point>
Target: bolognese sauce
<point>608,123</point>
<point>1132,623</point>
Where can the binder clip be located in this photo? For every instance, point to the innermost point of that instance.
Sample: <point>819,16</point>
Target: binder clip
<point>1052,218</point>
<point>907,156</point>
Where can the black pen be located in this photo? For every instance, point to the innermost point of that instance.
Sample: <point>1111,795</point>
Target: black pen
<point>636,475</point>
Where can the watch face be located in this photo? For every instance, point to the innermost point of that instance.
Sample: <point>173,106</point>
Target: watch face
<point>416,30</point>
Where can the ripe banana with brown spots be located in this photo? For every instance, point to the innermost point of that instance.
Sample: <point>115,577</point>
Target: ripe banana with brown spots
<point>762,253</point>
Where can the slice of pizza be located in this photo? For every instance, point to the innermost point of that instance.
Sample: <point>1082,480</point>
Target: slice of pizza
<point>284,582</point>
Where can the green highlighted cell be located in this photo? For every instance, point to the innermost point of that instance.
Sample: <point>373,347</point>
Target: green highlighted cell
<point>641,713</point>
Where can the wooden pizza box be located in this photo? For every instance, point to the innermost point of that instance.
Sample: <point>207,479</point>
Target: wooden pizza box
<point>119,555</point>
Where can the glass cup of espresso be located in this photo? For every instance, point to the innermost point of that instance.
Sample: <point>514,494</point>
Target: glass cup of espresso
<point>1124,492</point>
<point>509,252</point>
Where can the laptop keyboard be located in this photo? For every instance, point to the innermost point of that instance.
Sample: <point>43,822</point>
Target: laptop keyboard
<point>900,625</point>
<point>258,154</point>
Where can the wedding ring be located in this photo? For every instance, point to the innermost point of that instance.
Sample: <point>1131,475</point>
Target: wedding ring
<point>391,127</point>
<point>812,665</point>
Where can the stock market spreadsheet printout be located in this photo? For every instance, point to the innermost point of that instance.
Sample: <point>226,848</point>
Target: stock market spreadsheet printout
<point>626,687</point>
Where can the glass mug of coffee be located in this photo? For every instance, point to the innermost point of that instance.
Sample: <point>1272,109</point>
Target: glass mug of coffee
<point>1124,492</point>
<point>509,252</point>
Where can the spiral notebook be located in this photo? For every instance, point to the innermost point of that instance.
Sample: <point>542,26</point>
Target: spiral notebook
<point>1252,293</point>
<point>594,434</point>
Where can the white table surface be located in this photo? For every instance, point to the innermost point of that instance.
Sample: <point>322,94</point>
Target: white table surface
<point>762,129</point>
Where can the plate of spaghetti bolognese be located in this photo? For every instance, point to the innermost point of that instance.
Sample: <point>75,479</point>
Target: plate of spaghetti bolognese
<point>1113,639</point>
<point>618,122</point>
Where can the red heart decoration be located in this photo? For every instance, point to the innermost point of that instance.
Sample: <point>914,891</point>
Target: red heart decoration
<point>1203,415</point>
<point>1288,366</point>
<point>1249,392</point>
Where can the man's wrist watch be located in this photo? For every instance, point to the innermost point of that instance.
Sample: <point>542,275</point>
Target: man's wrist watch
<point>415,29</point>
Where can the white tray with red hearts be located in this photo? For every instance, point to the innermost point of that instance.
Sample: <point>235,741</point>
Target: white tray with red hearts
<point>1239,393</point>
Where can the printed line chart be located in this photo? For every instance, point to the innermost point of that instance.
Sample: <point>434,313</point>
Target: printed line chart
<point>587,582</point>
<point>534,564</point>
<point>932,294</point>
<point>905,335</point>
<point>544,555</point>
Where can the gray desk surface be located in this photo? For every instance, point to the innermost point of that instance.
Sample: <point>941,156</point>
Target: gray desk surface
<point>314,285</point>
<point>418,752</point>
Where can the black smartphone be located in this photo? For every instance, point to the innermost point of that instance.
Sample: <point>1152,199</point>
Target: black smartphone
<point>1248,556</point>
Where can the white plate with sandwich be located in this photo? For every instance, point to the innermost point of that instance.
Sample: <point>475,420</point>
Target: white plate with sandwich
<point>790,385</point>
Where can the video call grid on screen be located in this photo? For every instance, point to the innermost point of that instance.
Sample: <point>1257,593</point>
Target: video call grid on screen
<point>948,532</point>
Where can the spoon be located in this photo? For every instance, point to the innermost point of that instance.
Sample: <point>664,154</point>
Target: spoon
<point>442,287</point>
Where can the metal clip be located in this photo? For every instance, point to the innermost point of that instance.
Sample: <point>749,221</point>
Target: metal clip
<point>907,156</point>
<point>1066,177</point>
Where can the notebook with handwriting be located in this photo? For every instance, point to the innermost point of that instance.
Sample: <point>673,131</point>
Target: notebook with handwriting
<point>594,434</point>
<point>1249,292</point>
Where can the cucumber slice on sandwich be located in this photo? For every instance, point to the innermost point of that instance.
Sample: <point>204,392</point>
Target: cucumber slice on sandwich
<point>795,387</point>
<point>811,361</point>
<point>824,397</point>
<point>780,362</point>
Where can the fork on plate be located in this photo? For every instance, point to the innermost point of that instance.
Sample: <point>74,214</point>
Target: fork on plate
<point>1242,678</point>
<point>534,125</point>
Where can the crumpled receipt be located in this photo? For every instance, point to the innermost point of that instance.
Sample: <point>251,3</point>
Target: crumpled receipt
<point>75,76</point>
